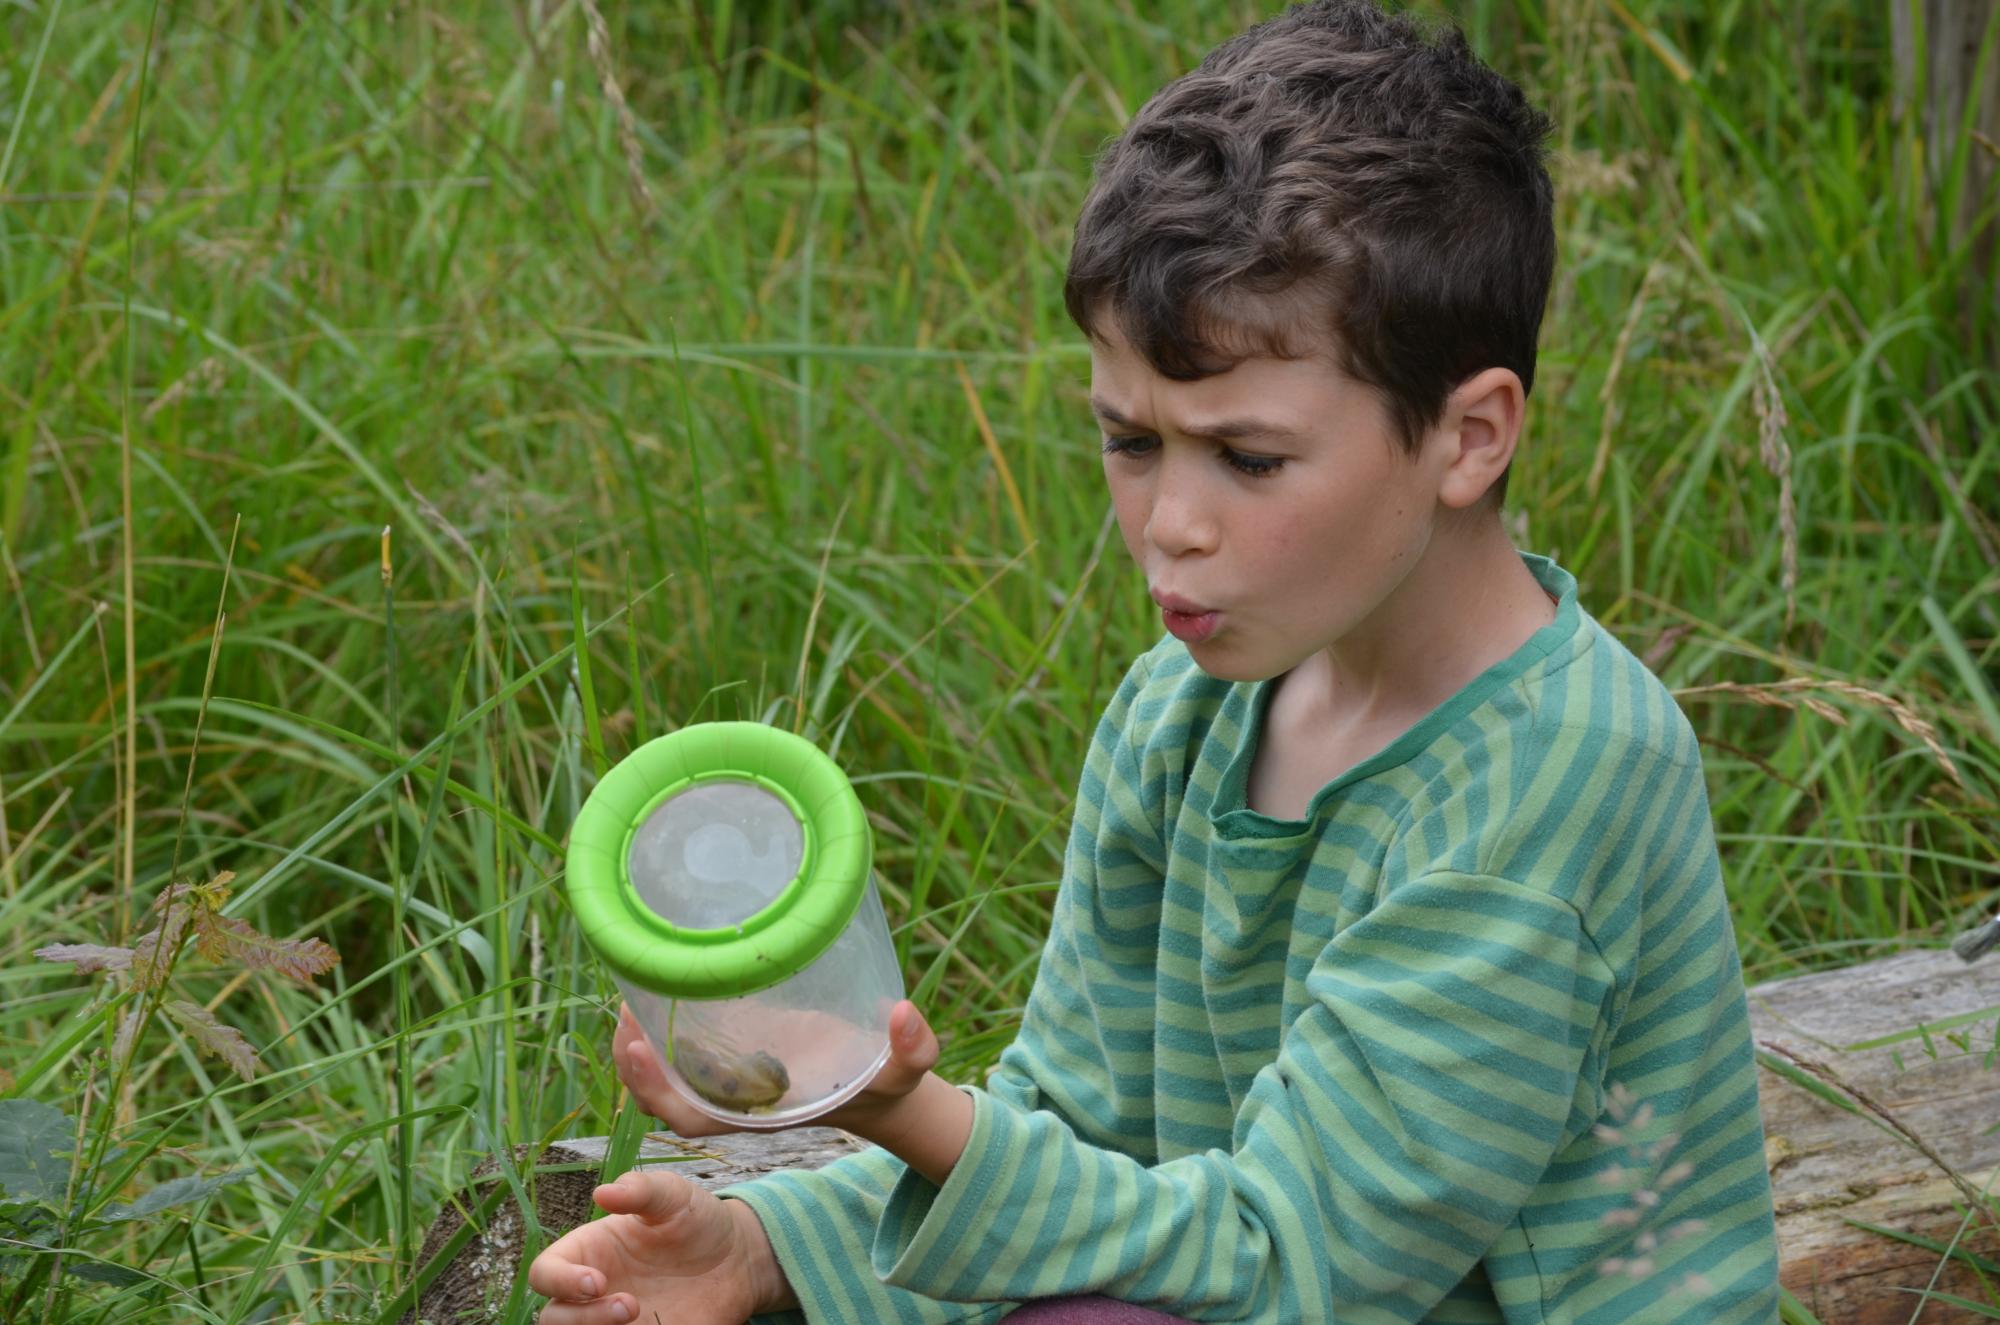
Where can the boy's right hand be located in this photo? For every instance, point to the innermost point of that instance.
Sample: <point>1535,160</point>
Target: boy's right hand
<point>667,1251</point>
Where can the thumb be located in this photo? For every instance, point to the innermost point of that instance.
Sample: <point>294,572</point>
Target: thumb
<point>652,1197</point>
<point>912,1043</point>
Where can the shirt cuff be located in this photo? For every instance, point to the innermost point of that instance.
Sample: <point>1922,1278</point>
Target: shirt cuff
<point>778,1215</point>
<point>820,1224</point>
<point>931,1239</point>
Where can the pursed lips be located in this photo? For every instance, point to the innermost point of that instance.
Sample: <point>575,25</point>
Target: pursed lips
<point>1176,603</point>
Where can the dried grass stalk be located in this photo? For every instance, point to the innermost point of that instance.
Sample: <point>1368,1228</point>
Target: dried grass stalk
<point>1607,395</point>
<point>1788,695</point>
<point>205,378</point>
<point>1814,1067</point>
<point>599,43</point>
<point>1777,458</point>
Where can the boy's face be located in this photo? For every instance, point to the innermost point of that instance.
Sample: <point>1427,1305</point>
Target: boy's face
<point>1279,564</point>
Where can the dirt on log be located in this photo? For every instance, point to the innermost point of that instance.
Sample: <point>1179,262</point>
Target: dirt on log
<point>1880,1102</point>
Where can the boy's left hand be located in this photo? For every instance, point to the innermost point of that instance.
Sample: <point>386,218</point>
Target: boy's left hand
<point>913,1051</point>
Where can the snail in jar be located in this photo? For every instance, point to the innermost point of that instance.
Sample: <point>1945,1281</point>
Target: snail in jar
<point>743,1082</point>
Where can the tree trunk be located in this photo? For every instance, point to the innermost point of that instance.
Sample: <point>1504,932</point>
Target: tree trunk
<point>1936,69</point>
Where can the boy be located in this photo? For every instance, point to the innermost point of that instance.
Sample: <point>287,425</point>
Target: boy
<point>1391,977</point>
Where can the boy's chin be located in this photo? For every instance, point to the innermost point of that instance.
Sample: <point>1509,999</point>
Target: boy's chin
<point>1217,659</point>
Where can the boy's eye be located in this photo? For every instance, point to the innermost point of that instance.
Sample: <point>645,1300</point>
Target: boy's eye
<point>1128,445</point>
<point>1256,466</point>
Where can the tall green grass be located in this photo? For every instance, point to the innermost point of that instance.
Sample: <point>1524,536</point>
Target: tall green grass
<point>795,433</point>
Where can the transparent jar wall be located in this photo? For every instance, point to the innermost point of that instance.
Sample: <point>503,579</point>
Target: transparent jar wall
<point>819,1036</point>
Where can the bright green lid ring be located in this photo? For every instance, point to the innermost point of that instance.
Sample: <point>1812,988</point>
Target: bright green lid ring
<point>768,947</point>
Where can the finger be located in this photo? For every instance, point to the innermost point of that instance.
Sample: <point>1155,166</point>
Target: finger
<point>913,1051</point>
<point>638,1063</point>
<point>639,1067</point>
<point>628,1031</point>
<point>613,1310</point>
<point>653,1198</point>
<point>912,1043</point>
<point>555,1275</point>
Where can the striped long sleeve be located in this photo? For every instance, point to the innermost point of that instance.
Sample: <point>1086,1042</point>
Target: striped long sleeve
<point>1413,1057</point>
<point>1408,1114</point>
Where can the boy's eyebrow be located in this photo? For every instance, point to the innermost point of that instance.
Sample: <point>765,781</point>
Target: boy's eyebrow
<point>1226,430</point>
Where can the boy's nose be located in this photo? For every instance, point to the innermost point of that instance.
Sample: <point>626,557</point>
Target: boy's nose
<point>1182,518</point>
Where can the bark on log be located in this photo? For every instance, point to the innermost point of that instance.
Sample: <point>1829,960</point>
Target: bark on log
<point>1917,1036</point>
<point>1832,1169</point>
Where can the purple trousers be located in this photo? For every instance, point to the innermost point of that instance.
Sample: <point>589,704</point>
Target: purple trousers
<point>1091,1310</point>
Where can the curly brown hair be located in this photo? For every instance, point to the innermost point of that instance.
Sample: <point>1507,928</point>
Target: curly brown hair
<point>1340,179</point>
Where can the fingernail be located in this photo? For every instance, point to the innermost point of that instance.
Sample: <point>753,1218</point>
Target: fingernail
<point>592,1285</point>
<point>621,1313</point>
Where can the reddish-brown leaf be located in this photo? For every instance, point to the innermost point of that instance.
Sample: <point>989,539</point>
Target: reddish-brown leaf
<point>183,906</point>
<point>212,1035</point>
<point>172,893</point>
<point>301,959</point>
<point>89,958</point>
<point>153,951</point>
<point>209,940</point>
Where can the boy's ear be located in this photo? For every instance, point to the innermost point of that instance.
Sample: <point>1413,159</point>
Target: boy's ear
<point>1479,427</point>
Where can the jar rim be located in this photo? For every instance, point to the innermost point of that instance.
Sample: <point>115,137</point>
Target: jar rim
<point>767,947</point>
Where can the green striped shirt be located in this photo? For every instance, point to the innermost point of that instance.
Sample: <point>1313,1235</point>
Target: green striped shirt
<point>1468,1042</point>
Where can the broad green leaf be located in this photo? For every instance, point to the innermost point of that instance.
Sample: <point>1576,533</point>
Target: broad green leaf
<point>104,1272</point>
<point>35,1142</point>
<point>179,1191</point>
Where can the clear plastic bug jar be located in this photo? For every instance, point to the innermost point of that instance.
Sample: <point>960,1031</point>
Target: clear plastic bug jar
<point>723,873</point>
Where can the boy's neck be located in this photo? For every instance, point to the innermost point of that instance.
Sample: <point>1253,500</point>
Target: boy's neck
<point>1470,602</point>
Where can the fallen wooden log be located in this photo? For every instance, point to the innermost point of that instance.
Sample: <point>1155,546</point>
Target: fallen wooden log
<point>1897,1093</point>
<point>1881,1108</point>
<point>478,1273</point>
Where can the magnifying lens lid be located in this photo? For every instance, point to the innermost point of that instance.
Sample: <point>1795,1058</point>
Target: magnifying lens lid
<point>718,860</point>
